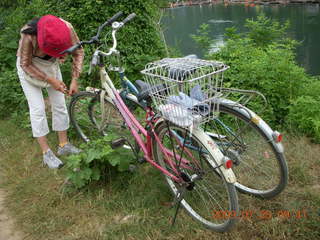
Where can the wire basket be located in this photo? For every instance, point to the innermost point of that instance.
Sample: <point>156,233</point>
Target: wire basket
<point>184,90</point>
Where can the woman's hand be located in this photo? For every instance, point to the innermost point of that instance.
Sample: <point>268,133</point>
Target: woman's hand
<point>73,87</point>
<point>58,85</point>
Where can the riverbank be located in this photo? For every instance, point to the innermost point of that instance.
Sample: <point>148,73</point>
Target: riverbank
<point>245,2</point>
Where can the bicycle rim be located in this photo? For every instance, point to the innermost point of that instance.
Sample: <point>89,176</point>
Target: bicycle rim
<point>260,169</point>
<point>211,194</point>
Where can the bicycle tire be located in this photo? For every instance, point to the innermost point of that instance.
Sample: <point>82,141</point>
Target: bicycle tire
<point>85,115</point>
<point>245,146</point>
<point>205,191</point>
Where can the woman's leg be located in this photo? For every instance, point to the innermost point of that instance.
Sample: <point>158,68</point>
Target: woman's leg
<point>38,118</point>
<point>60,117</point>
<point>36,105</point>
<point>60,122</point>
<point>63,138</point>
<point>43,144</point>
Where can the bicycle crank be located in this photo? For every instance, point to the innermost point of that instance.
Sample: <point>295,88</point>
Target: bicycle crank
<point>190,181</point>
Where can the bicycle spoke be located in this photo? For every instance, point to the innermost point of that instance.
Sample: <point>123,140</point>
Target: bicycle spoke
<point>205,189</point>
<point>259,167</point>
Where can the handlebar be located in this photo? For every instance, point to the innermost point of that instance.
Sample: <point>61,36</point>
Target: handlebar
<point>95,39</point>
<point>108,22</point>
<point>129,18</point>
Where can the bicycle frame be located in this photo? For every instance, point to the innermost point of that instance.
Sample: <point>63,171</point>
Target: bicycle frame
<point>134,125</point>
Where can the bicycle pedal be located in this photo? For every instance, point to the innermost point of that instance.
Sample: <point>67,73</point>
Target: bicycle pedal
<point>141,160</point>
<point>118,143</point>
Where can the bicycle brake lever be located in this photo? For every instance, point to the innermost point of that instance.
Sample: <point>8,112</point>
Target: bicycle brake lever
<point>90,69</point>
<point>94,61</point>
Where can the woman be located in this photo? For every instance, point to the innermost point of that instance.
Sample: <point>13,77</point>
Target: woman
<point>45,39</point>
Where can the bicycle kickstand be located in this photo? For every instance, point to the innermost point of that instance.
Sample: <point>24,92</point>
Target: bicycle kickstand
<point>177,201</point>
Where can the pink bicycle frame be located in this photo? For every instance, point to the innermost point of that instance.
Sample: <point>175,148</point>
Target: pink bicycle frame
<point>146,147</point>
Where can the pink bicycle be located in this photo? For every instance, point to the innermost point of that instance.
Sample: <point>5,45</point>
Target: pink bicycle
<point>198,174</point>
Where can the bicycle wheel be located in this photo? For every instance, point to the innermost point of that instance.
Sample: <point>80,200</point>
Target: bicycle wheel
<point>259,163</point>
<point>86,117</point>
<point>210,200</point>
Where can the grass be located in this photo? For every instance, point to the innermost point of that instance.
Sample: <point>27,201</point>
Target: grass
<point>135,205</point>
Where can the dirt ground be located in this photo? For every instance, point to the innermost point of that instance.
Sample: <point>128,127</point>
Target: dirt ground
<point>7,229</point>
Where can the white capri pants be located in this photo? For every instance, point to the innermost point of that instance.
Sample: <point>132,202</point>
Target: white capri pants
<point>39,124</point>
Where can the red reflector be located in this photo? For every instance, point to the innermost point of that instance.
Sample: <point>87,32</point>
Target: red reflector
<point>229,164</point>
<point>277,136</point>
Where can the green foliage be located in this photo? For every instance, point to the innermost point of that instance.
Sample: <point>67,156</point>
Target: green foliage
<point>264,31</point>
<point>263,59</point>
<point>139,41</point>
<point>90,165</point>
<point>12,99</point>
<point>202,38</point>
<point>11,3</point>
<point>304,113</point>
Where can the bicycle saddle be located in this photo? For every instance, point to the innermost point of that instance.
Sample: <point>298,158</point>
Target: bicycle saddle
<point>145,89</point>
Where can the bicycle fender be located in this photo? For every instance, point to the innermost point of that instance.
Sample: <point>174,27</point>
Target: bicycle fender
<point>214,150</point>
<point>259,122</point>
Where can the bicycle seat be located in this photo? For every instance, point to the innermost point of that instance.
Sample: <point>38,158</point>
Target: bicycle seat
<point>146,89</point>
<point>141,85</point>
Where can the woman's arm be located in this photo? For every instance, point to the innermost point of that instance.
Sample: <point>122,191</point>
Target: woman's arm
<point>26,50</point>
<point>77,56</point>
<point>77,61</point>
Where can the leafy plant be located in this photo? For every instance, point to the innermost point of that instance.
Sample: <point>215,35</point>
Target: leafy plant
<point>264,31</point>
<point>263,59</point>
<point>304,112</point>
<point>12,99</point>
<point>90,165</point>
<point>202,38</point>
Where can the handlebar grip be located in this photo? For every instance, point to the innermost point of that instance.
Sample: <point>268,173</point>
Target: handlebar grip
<point>129,18</point>
<point>112,19</point>
<point>108,22</point>
<point>72,48</point>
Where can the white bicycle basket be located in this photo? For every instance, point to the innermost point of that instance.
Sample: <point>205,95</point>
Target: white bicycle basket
<point>184,90</point>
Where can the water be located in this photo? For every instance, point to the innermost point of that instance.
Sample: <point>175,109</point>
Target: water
<point>180,23</point>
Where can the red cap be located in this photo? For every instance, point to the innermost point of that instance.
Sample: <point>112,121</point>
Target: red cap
<point>53,35</point>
